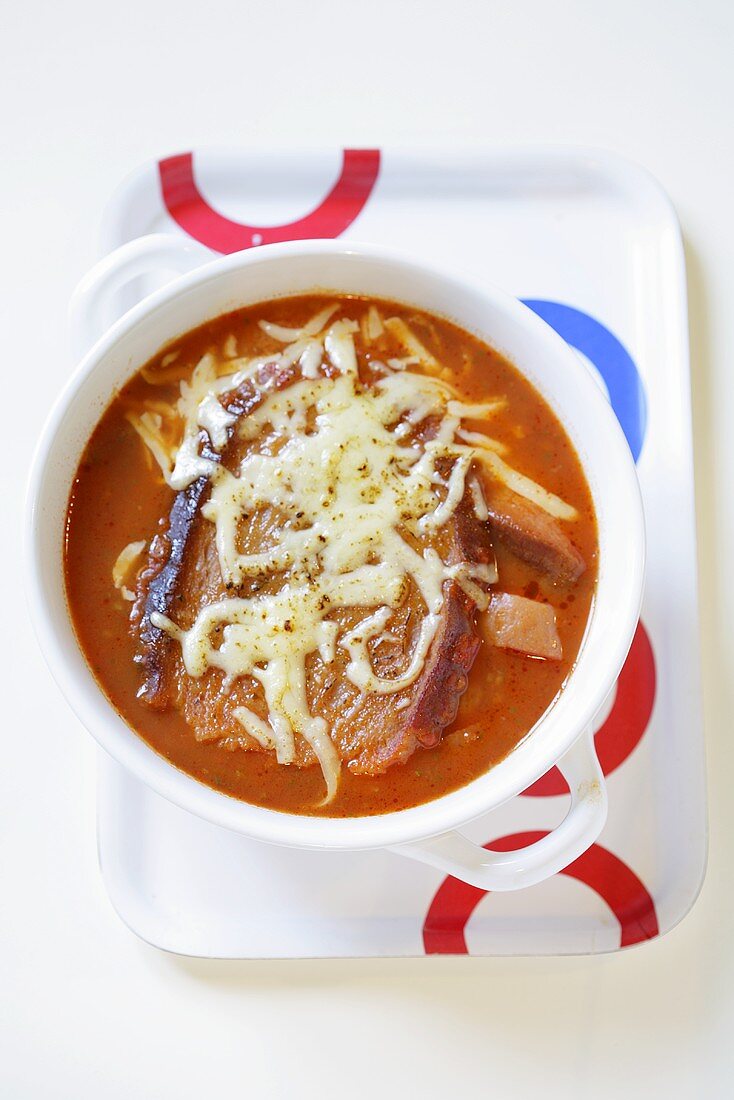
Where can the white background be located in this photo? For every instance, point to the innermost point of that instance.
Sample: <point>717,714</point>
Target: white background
<point>88,91</point>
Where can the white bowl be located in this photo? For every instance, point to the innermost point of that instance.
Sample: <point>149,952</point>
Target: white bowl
<point>216,286</point>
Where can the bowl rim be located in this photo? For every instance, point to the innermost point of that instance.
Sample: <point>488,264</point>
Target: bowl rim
<point>501,782</point>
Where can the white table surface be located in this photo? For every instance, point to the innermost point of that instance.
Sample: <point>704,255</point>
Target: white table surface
<point>88,91</point>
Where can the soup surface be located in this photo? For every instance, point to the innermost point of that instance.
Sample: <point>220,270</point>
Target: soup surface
<point>330,555</point>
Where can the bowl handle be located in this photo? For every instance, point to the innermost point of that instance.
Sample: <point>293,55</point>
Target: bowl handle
<point>458,856</point>
<point>90,306</point>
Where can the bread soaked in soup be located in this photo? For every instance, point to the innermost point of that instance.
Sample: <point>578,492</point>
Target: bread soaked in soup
<point>330,555</point>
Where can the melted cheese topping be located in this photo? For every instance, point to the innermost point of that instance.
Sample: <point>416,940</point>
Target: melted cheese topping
<point>340,462</point>
<point>123,567</point>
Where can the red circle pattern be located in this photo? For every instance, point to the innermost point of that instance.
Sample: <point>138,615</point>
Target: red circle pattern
<point>454,903</point>
<point>190,210</point>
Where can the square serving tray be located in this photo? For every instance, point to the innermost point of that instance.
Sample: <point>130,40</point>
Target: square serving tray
<point>592,244</point>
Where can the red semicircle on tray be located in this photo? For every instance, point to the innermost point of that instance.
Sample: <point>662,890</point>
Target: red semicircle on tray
<point>454,902</point>
<point>333,215</point>
<point>627,721</point>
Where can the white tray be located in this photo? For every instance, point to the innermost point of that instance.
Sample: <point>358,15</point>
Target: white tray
<point>593,244</point>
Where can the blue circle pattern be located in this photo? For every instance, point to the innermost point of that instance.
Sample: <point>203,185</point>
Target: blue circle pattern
<point>611,359</point>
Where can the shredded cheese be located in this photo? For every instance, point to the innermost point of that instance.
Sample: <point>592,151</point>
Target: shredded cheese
<point>123,564</point>
<point>311,328</point>
<point>371,325</point>
<point>480,410</point>
<point>414,347</point>
<point>352,483</point>
<point>148,426</point>
<point>526,487</point>
<point>479,439</point>
<point>215,420</point>
<point>340,461</point>
<point>481,511</point>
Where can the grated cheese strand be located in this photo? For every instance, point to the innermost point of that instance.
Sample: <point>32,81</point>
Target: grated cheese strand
<point>123,565</point>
